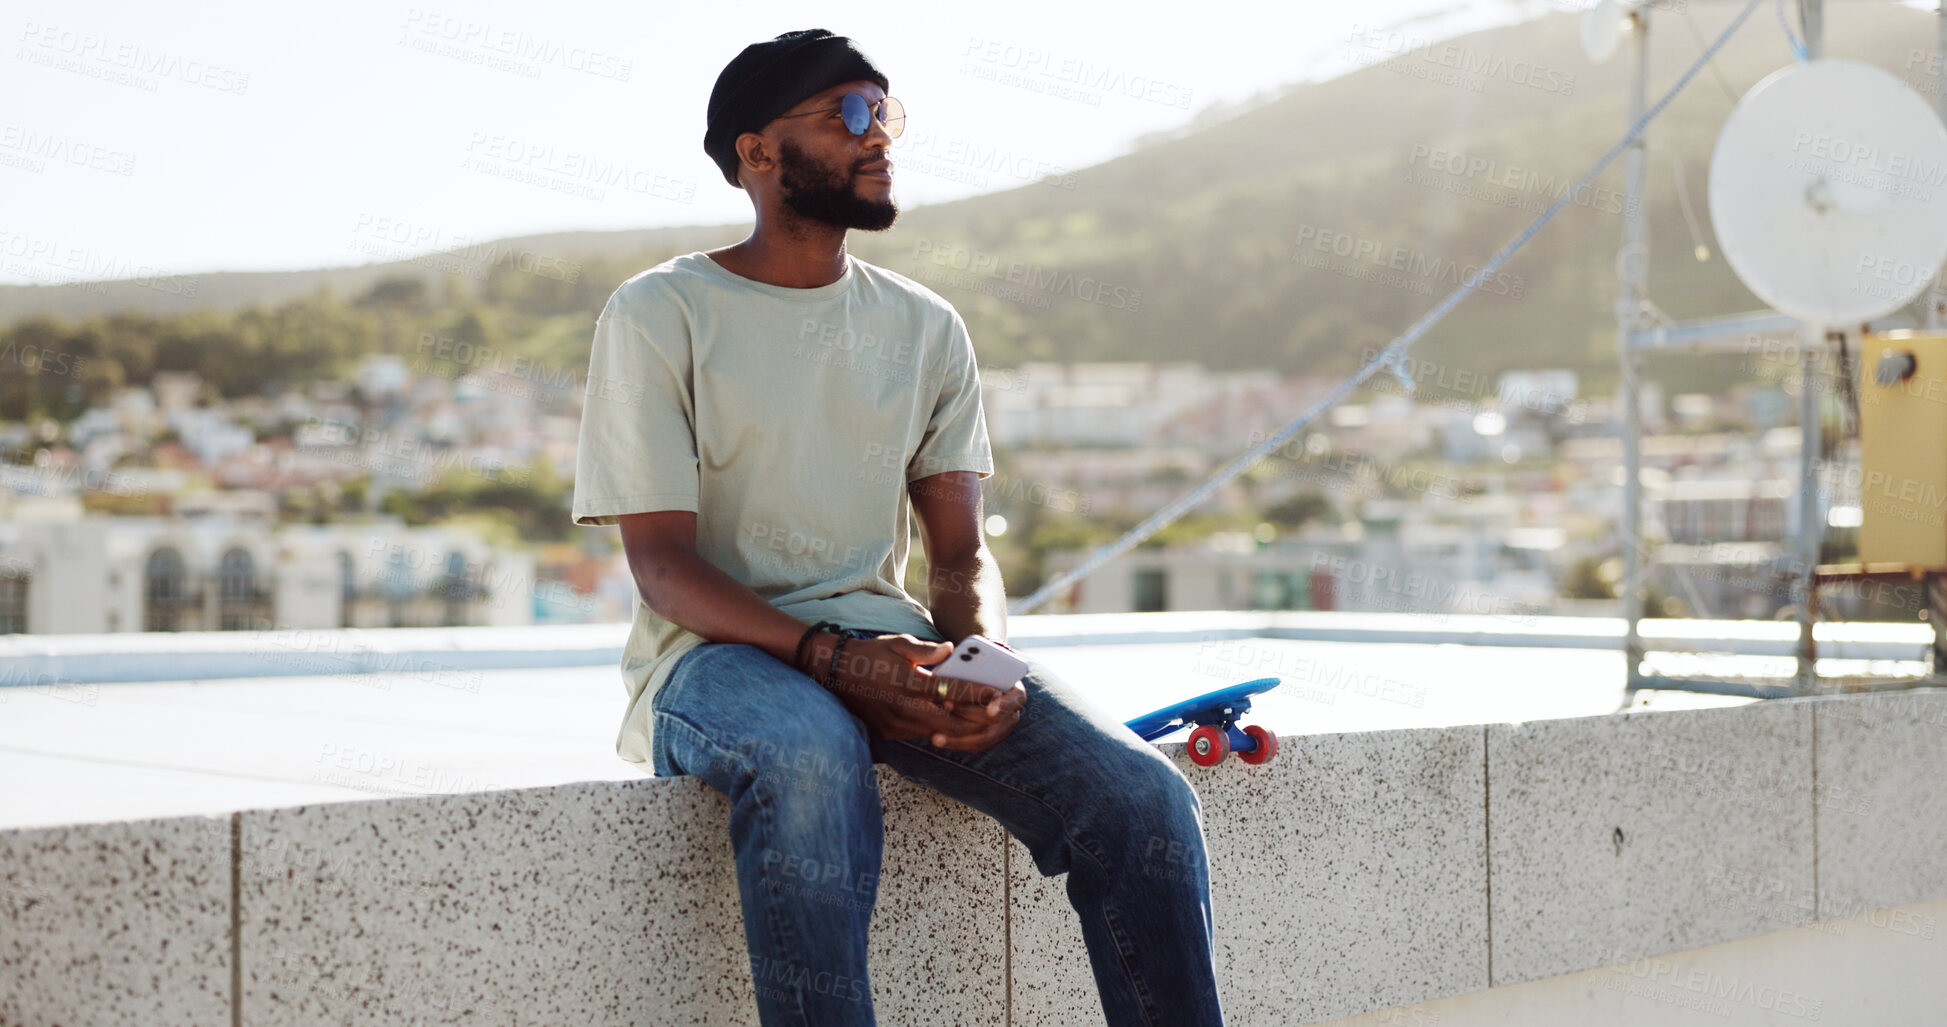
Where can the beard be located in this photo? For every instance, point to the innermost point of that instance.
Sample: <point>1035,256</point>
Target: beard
<point>819,193</point>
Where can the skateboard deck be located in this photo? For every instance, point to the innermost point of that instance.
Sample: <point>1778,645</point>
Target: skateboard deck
<point>1215,733</point>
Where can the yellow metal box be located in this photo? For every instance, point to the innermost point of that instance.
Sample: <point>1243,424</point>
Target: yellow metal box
<point>1903,448</point>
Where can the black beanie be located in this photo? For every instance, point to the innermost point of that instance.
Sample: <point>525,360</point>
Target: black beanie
<point>771,77</point>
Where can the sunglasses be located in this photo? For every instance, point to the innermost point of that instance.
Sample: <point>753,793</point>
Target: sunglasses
<point>858,112</point>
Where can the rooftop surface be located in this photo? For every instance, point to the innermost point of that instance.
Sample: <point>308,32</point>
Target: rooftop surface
<point>75,752</point>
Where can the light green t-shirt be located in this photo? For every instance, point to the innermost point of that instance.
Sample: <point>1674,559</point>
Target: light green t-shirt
<point>789,421</point>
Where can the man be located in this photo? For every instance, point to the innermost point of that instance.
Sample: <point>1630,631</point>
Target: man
<point>758,419</point>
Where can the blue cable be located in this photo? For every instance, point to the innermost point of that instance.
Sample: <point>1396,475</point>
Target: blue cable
<point>1391,358</point>
<point>1798,49</point>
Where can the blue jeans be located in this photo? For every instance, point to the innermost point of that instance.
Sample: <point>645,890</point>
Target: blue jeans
<point>1086,796</point>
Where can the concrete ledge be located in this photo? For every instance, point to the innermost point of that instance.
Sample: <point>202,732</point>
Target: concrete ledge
<point>116,923</point>
<point>1356,873</point>
<point>592,903</point>
<point>1881,801</point>
<point>1629,835</point>
<point>1346,875</point>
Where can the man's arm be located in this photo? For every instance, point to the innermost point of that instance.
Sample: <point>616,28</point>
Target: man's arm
<point>690,591</point>
<point>964,589</point>
<point>879,679</point>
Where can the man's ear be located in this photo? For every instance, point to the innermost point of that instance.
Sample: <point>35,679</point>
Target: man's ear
<point>753,153</point>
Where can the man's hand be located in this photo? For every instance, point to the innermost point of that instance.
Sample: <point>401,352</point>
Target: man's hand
<point>1014,698</point>
<point>1010,701</point>
<point>881,682</point>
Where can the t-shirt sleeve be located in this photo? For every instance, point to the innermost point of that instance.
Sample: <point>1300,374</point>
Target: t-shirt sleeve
<point>956,434</point>
<point>637,449</point>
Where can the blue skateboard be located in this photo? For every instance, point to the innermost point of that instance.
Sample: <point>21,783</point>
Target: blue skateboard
<point>1216,734</point>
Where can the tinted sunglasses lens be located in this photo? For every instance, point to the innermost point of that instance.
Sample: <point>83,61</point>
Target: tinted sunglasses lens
<point>856,115</point>
<point>893,113</point>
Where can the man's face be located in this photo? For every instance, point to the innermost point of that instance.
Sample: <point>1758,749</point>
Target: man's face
<point>828,175</point>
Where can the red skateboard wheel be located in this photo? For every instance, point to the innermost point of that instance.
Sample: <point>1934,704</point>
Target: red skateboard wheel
<point>1208,746</point>
<point>1267,744</point>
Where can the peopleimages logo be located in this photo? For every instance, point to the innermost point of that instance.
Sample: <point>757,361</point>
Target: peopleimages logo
<point>1707,990</point>
<point>1512,177</point>
<point>1468,66</point>
<point>39,257</point>
<point>1871,158</point>
<point>41,360</point>
<point>121,62</point>
<point>921,150</point>
<point>1033,66</point>
<point>34,149</point>
<point>424,30</point>
<point>569,171</point>
<point>1413,267</point>
<point>1027,275</point>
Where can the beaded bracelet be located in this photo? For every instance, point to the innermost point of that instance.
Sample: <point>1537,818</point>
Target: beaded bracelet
<point>844,635</point>
<point>797,658</point>
<point>831,672</point>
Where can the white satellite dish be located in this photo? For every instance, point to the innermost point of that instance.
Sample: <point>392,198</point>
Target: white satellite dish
<point>1828,192</point>
<point>1602,30</point>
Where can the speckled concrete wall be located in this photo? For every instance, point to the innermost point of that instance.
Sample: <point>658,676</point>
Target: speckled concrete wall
<point>580,905</point>
<point>1622,836</point>
<point>1346,875</point>
<point>124,923</point>
<point>1355,874</point>
<point>1881,802</point>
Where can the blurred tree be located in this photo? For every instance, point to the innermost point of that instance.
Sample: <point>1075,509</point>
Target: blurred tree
<point>398,292</point>
<point>1298,510</point>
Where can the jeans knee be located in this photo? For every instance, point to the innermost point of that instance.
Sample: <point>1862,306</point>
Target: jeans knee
<point>1157,780</point>
<point>829,764</point>
<point>1155,793</point>
<point>1161,834</point>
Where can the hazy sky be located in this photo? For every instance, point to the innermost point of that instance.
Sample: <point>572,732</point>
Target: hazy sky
<point>141,139</point>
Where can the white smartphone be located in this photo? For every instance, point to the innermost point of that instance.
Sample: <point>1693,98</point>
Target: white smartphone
<point>978,660</point>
